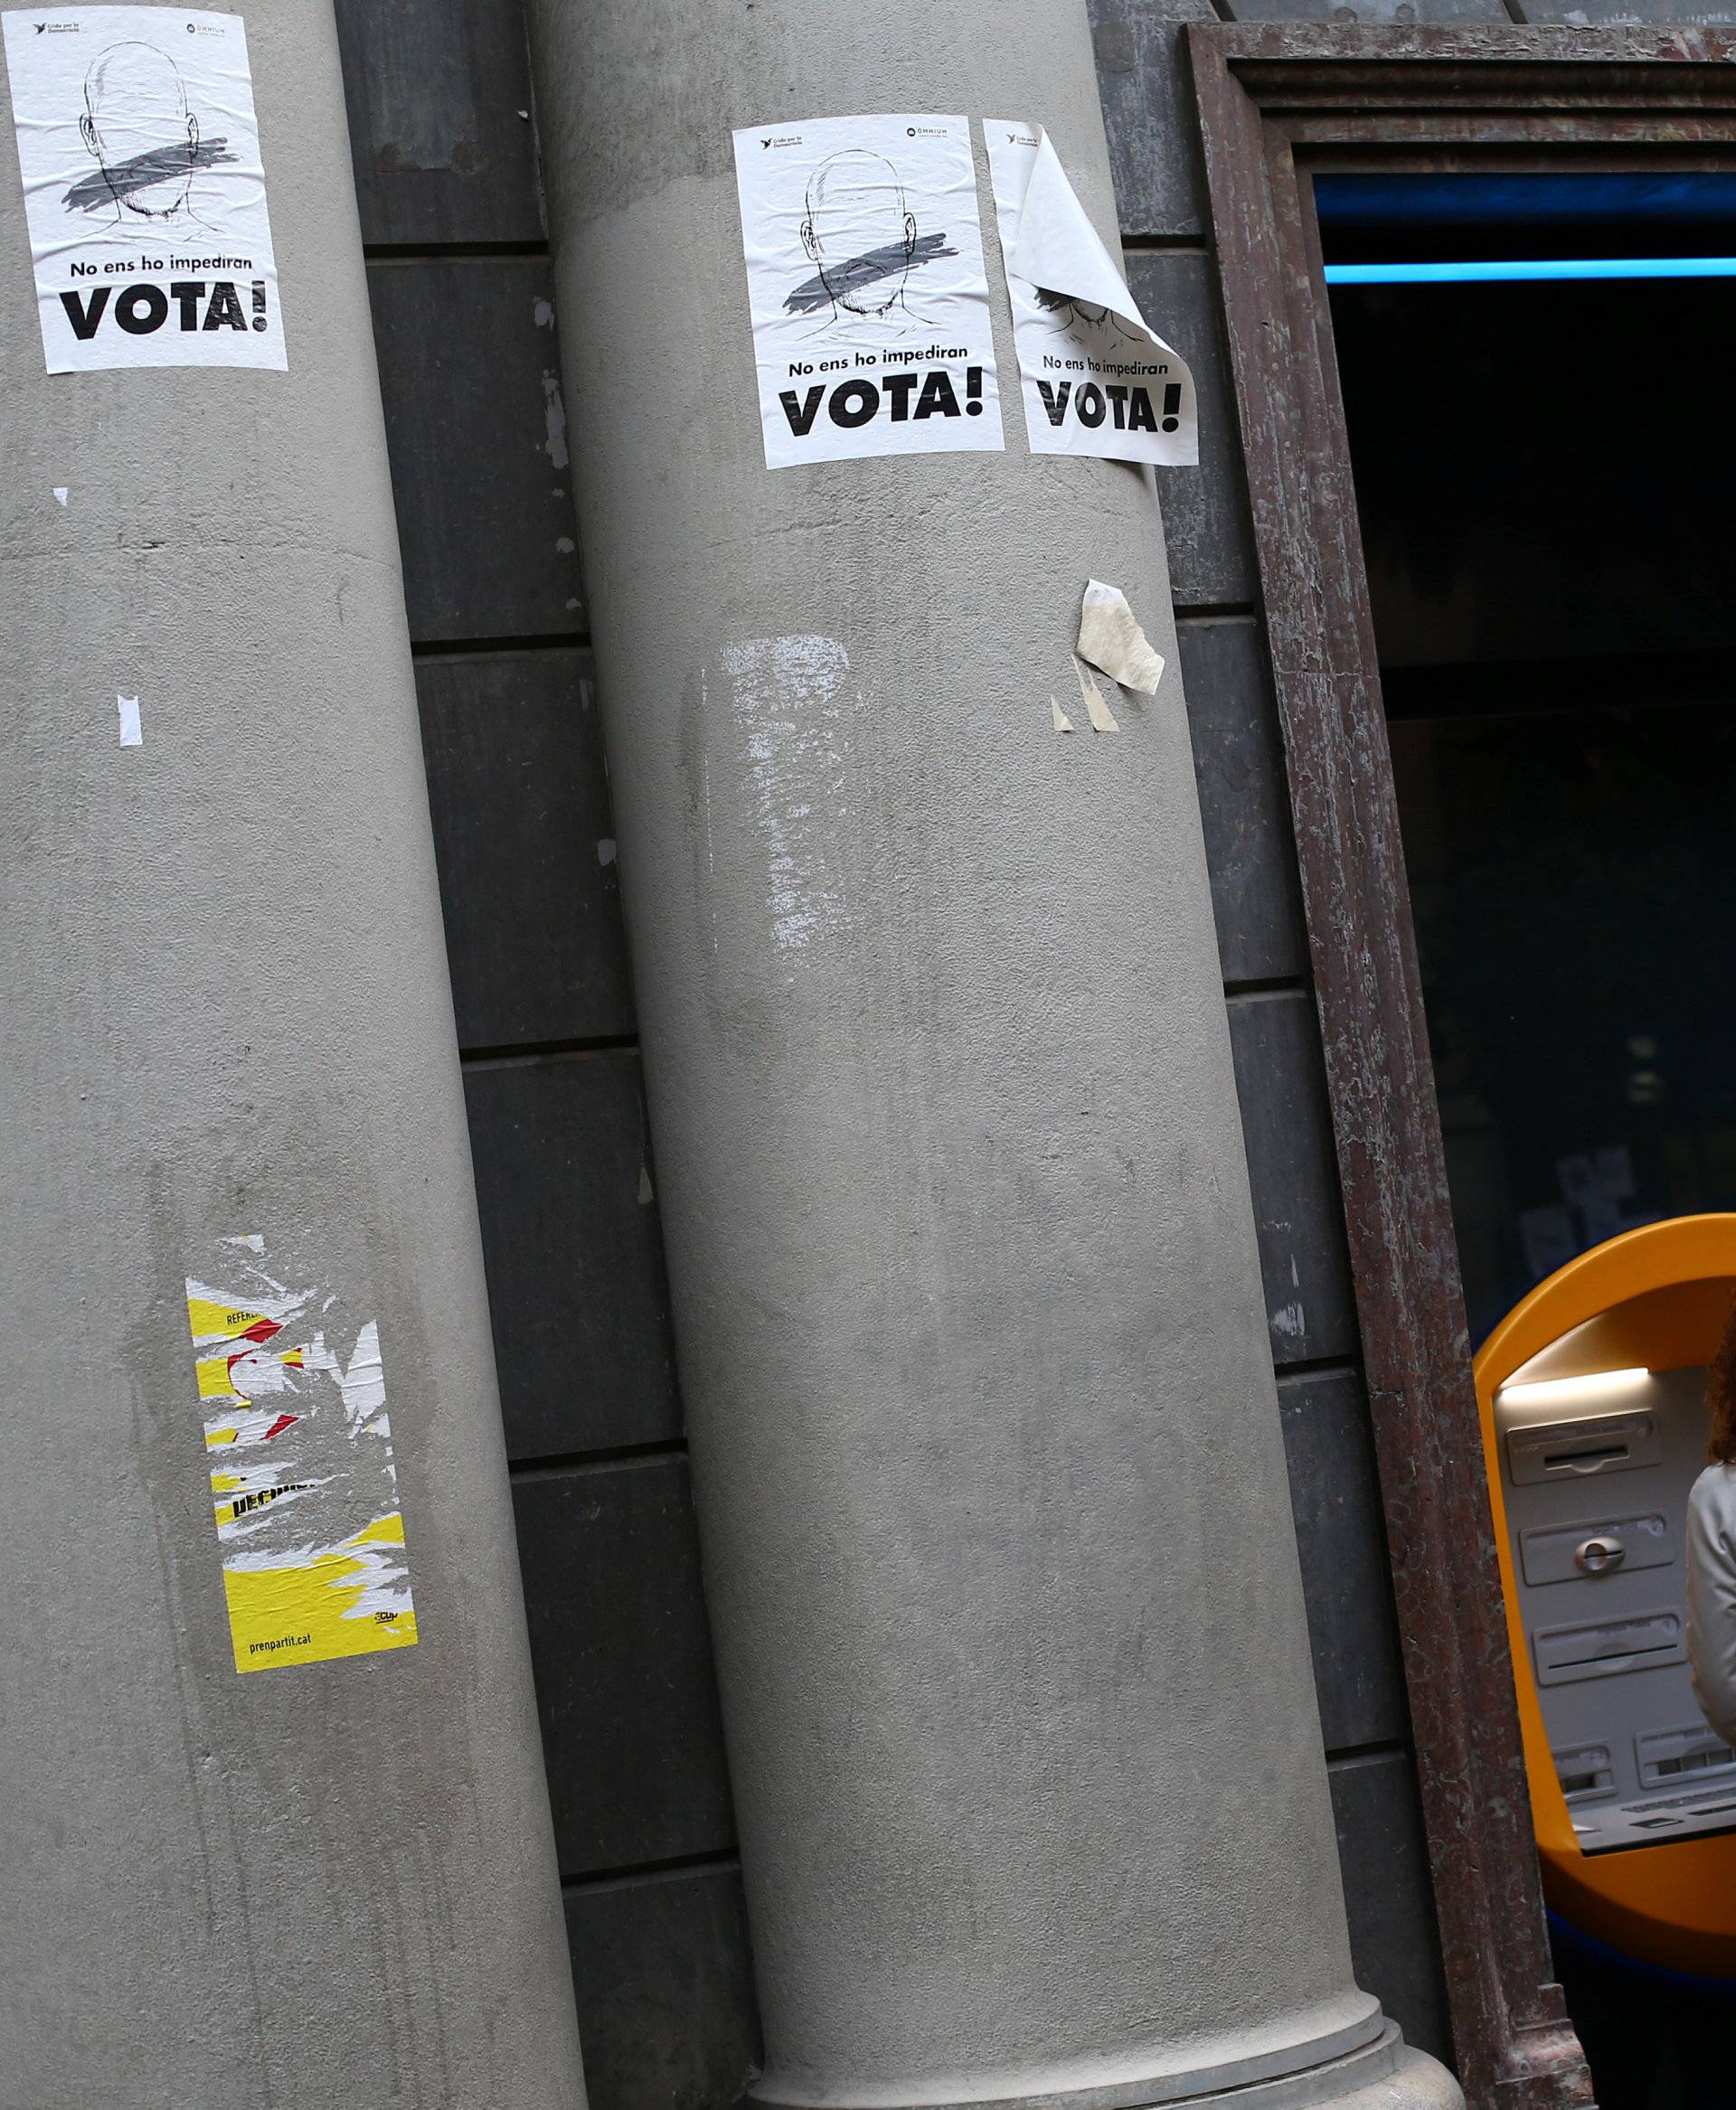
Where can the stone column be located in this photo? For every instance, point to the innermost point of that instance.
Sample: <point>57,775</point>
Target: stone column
<point>226,1019</point>
<point>996,1526</point>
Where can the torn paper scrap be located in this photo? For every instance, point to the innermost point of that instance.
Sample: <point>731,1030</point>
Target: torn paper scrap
<point>866,288</point>
<point>1101,717</point>
<point>60,494</point>
<point>288,1383</point>
<point>130,735</point>
<point>1109,637</point>
<point>1097,379</point>
<point>143,188</point>
<point>1062,724</point>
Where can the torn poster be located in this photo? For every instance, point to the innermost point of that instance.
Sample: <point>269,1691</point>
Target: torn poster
<point>1109,637</point>
<point>866,288</point>
<point>143,188</point>
<point>304,1491</point>
<point>1102,718</point>
<point>1097,379</point>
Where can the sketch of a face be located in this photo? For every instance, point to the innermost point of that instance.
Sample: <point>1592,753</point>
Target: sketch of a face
<point>860,234</point>
<point>1084,319</point>
<point>145,138</point>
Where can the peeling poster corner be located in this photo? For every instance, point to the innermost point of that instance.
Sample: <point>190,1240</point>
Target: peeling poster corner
<point>1110,638</point>
<point>1096,377</point>
<point>292,1393</point>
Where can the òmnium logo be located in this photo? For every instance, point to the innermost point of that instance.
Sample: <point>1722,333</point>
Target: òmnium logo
<point>58,29</point>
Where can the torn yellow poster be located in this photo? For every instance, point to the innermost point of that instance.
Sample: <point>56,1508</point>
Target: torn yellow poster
<point>304,1491</point>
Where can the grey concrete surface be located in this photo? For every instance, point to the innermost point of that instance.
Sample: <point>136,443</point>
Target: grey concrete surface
<point>992,1491</point>
<point>226,1012</point>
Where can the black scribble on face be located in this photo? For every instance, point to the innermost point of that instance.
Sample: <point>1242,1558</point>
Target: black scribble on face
<point>1087,323</point>
<point>862,237</point>
<point>848,282</point>
<point>1066,309</point>
<point>162,165</point>
<point>143,138</point>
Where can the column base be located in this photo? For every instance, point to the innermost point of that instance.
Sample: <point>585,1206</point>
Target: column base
<point>1384,2074</point>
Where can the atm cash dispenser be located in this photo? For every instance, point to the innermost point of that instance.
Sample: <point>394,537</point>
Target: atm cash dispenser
<point>1594,1428</point>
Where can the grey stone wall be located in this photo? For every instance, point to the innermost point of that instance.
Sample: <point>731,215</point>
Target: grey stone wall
<point>446,167</point>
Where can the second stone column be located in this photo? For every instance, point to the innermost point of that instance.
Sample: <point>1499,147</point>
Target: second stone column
<point>993,1497</point>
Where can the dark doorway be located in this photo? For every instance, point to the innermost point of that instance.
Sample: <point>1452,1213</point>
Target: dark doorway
<point>1530,372</point>
<point>1282,107</point>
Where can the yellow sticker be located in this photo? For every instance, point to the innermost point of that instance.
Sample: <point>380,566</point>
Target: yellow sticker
<point>213,1379</point>
<point>213,1320</point>
<point>214,1370</point>
<point>306,1499</point>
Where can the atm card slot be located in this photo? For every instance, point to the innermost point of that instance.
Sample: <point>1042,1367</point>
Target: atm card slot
<point>1553,1553</point>
<point>1607,1648</point>
<point>1572,1450</point>
<point>1586,1772</point>
<point>1666,1756</point>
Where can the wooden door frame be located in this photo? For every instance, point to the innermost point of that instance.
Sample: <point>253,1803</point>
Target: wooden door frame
<point>1277,103</point>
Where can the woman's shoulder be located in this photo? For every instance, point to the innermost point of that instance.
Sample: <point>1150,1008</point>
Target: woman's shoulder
<point>1713,1494</point>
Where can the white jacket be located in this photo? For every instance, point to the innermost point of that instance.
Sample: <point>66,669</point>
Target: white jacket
<point>1712,1596</point>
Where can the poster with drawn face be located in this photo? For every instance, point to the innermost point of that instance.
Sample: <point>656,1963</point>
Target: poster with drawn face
<point>144,189</point>
<point>866,288</point>
<point>1096,378</point>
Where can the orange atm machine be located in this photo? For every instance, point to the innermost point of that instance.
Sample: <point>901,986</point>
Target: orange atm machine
<point>1594,1428</point>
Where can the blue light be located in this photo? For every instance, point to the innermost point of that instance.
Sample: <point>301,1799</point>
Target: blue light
<point>1533,268</point>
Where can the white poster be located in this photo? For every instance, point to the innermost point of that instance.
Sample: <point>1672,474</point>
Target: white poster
<point>1097,379</point>
<point>143,188</point>
<point>866,287</point>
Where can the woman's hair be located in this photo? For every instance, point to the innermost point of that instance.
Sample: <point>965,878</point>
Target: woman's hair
<point>1721,1398</point>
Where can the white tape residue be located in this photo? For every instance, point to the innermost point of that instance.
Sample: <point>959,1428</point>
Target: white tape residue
<point>1101,717</point>
<point>130,734</point>
<point>555,422</point>
<point>1109,637</point>
<point>1097,378</point>
<point>793,702</point>
<point>60,494</point>
<point>1062,724</point>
